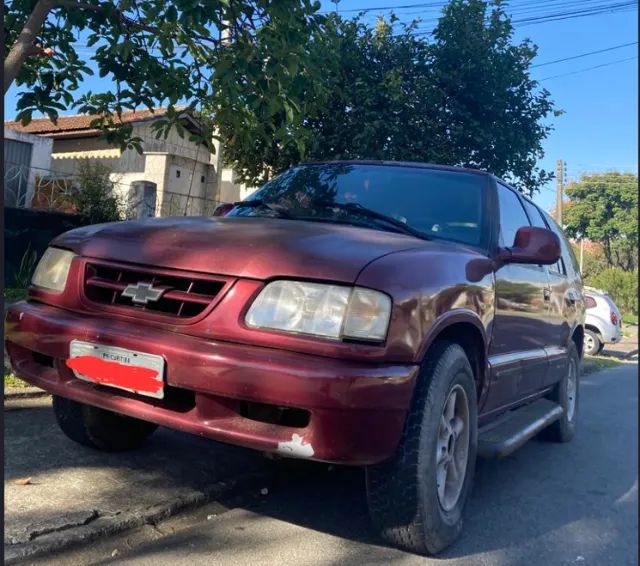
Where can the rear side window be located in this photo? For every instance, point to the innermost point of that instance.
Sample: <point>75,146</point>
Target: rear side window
<point>589,302</point>
<point>512,215</point>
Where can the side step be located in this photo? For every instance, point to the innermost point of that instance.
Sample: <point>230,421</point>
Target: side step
<point>515,428</point>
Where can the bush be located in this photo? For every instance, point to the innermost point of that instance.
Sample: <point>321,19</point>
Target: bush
<point>93,196</point>
<point>621,285</point>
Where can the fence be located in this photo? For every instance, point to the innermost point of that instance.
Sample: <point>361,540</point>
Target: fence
<point>16,185</point>
<point>27,234</point>
<point>55,192</point>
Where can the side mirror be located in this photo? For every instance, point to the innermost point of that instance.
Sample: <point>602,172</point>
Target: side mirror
<point>222,209</point>
<point>533,245</point>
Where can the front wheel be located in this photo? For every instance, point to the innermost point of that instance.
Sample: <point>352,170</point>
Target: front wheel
<point>99,428</point>
<point>416,500</point>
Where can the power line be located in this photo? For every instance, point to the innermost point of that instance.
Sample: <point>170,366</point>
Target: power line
<point>585,54</point>
<point>516,5</point>
<point>595,10</point>
<point>590,68</point>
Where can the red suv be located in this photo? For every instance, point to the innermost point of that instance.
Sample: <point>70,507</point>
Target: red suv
<point>400,316</point>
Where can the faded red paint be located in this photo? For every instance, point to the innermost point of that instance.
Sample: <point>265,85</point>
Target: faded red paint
<point>357,394</point>
<point>117,374</point>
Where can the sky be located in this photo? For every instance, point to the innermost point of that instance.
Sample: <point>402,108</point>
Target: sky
<point>599,128</point>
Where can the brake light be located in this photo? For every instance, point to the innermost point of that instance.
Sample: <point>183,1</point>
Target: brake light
<point>614,318</point>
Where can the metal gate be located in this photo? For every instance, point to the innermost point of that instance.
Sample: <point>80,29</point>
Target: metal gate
<point>17,160</point>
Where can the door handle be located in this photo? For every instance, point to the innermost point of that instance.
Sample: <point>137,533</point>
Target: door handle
<point>546,293</point>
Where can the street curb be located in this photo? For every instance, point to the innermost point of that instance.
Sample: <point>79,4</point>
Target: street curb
<point>24,392</point>
<point>107,525</point>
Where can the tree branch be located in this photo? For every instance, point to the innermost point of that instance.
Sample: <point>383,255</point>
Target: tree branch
<point>25,45</point>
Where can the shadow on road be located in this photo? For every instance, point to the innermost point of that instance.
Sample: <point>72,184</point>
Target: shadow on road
<point>546,503</point>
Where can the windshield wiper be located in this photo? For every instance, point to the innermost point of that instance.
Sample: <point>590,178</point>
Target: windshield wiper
<point>369,213</point>
<point>258,203</point>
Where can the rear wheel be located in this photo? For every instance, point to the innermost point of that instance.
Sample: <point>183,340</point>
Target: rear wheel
<point>99,428</point>
<point>592,343</point>
<point>566,393</point>
<point>416,500</point>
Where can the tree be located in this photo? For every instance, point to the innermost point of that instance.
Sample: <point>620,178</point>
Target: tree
<point>465,98</point>
<point>489,112</point>
<point>159,53</point>
<point>604,208</point>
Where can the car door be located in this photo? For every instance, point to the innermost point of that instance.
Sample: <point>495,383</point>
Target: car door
<point>517,354</point>
<point>565,303</point>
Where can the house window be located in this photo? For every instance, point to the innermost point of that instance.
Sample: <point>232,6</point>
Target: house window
<point>177,173</point>
<point>202,179</point>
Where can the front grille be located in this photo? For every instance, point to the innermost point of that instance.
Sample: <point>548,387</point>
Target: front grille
<point>184,296</point>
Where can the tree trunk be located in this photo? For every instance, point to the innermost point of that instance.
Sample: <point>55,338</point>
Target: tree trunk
<point>25,45</point>
<point>606,247</point>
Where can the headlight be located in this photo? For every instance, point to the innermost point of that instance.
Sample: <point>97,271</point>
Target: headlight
<point>332,311</point>
<point>52,270</point>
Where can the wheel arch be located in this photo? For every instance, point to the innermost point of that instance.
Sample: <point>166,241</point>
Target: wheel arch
<point>593,328</point>
<point>578,339</point>
<point>465,329</point>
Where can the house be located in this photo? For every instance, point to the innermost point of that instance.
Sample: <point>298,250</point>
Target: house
<point>172,176</point>
<point>25,155</point>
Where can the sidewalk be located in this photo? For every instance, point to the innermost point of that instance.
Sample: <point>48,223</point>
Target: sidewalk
<point>58,492</point>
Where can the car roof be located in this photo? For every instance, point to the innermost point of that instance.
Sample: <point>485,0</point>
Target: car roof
<point>417,164</point>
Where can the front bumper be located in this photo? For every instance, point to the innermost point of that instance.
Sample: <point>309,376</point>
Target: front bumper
<point>356,411</point>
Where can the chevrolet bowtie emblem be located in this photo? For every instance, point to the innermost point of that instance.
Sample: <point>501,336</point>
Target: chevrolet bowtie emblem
<point>142,293</point>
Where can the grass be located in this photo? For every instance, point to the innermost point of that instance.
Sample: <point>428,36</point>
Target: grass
<point>14,294</point>
<point>598,363</point>
<point>630,318</point>
<point>10,380</point>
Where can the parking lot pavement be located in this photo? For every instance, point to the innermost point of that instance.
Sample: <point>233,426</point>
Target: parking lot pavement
<point>56,489</point>
<point>552,504</point>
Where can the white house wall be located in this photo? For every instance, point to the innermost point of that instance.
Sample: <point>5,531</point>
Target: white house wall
<point>160,163</point>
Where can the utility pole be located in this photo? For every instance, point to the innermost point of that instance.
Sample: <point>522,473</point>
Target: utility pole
<point>560,179</point>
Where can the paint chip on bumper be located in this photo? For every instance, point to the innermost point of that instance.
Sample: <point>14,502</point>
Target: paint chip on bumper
<point>296,447</point>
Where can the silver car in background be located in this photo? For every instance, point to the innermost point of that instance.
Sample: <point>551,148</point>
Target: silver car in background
<point>603,322</point>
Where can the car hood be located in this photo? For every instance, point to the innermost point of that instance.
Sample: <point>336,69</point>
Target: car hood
<point>258,248</point>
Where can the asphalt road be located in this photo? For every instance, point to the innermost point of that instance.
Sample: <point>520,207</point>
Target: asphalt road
<point>546,504</point>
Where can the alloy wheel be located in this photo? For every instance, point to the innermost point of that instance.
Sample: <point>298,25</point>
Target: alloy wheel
<point>452,452</point>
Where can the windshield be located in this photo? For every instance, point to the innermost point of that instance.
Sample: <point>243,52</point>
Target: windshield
<point>431,203</point>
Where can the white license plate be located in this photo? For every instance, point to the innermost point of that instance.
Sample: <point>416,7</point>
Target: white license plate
<point>130,370</point>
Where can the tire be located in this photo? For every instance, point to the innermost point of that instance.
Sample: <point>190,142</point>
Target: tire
<point>403,493</point>
<point>592,343</point>
<point>98,428</point>
<point>568,397</point>
<point>602,345</point>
